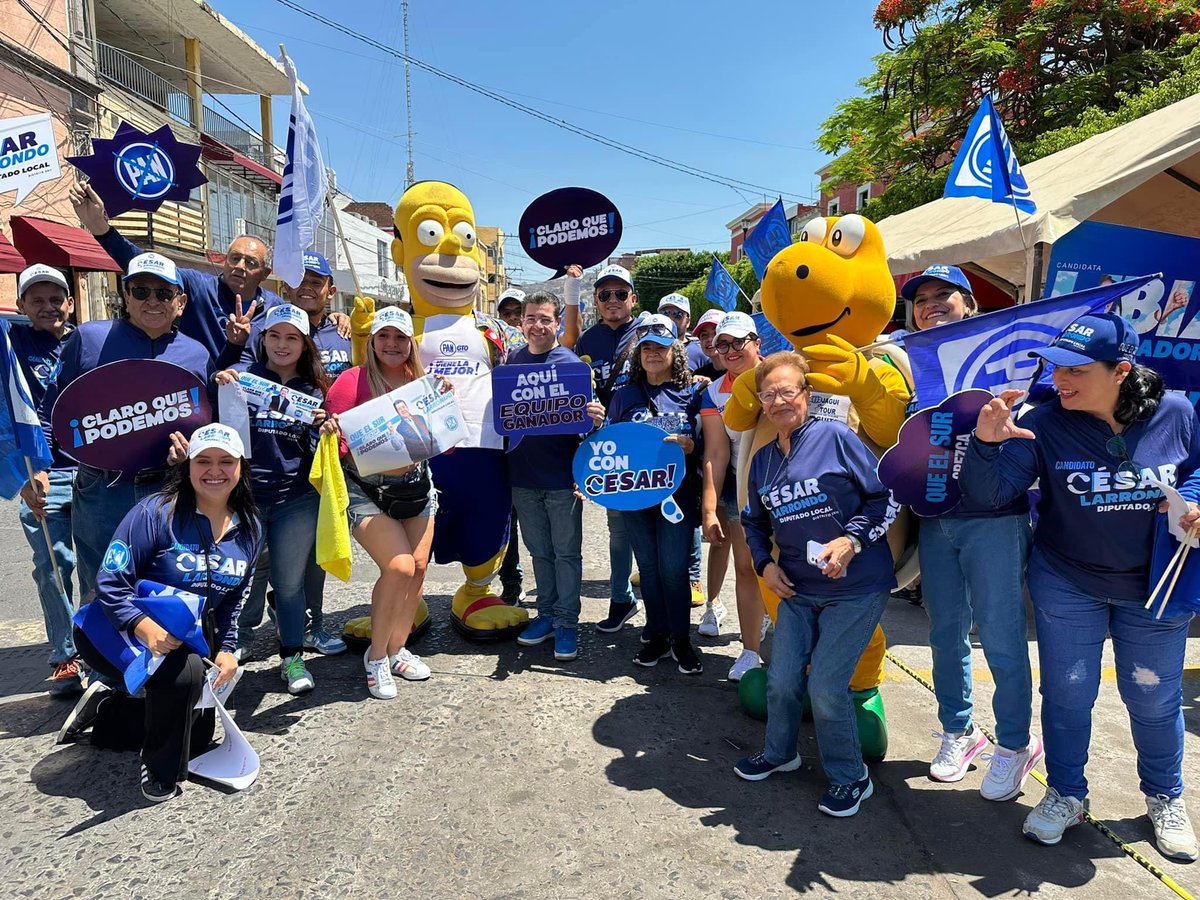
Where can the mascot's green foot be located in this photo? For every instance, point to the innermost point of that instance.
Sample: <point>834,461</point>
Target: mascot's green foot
<point>357,632</point>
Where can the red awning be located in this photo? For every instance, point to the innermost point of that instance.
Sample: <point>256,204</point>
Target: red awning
<point>49,242</point>
<point>10,259</point>
<point>223,155</point>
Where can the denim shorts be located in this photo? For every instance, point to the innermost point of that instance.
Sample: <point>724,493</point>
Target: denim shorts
<point>362,507</point>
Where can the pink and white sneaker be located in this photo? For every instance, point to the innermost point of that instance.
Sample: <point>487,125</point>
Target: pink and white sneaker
<point>956,753</point>
<point>1008,770</point>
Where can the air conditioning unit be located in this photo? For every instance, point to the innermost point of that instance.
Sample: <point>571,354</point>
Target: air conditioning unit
<point>239,227</point>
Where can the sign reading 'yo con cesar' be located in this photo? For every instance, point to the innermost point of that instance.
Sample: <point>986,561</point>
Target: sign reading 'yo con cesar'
<point>628,466</point>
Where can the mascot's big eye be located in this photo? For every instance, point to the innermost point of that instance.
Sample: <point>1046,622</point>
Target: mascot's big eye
<point>848,234</point>
<point>430,232</point>
<point>466,233</point>
<point>814,231</point>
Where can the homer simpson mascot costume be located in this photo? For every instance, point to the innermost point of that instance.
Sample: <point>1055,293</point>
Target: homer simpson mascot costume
<point>830,293</point>
<point>435,243</point>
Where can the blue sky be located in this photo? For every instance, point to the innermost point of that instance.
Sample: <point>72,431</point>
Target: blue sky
<point>740,91</point>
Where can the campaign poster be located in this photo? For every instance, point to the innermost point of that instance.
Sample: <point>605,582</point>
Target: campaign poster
<point>120,416</point>
<point>570,226</point>
<point>275,401</point>
<point>413,423</point>
<point>628,466</point>
<point>1165,312</point>
<point>542,398</point>
<point>28,154</point>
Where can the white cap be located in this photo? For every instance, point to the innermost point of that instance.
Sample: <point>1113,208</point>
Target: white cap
<point>710,317</point>
<point>618,272</point>
<point>678,301</point>
<point>392,317</point>
<point>216,437</point>
<point>511,294</point>
<point>736,325</point>
<point>286,314</point>
<point>39,273</point>
<point>154,264</point>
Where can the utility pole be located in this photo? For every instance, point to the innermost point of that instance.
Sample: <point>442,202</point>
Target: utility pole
<point>409,178</point>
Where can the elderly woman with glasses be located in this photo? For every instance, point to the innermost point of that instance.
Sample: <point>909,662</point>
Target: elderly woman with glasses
<point>1095,449</point>
<point>815,520</point>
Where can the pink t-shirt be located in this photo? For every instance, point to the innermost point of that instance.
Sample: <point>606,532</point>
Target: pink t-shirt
<point>352,388</point>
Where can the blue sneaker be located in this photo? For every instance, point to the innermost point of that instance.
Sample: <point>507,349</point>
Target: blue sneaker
<point>540,629</point>
<point>756,767</point>
<point>843,800</point>
<point>566,642</point>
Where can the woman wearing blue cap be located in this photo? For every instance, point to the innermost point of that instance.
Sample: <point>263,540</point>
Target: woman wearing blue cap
<point>1094,449</point>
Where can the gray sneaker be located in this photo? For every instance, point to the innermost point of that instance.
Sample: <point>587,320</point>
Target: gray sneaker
<point>1172,828</point>
<point>324,643</point>
<point>1054,815</point>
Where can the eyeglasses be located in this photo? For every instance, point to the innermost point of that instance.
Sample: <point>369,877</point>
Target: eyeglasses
<point>163,295</point>
<point>1115,446</point>
<point>249,263</point>
<point>786,394</point>
<point>674,313</point>
<point>620,294</point>
<point>657,329</point>
<point>737,345</point>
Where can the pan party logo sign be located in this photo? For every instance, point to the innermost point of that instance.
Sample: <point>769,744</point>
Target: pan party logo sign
<point>136,170</point>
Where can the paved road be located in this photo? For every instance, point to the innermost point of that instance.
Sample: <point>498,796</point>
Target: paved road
<point>510,775</point>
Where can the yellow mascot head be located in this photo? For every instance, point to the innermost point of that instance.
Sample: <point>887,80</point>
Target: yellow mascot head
<point>834,280</point>
<point>435,244</point>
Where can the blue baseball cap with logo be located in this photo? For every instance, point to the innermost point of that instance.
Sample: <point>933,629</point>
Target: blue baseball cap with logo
<point>1106,337</point>
<point>315,262</point>
<point>951,275</point>
<point>655,329</point>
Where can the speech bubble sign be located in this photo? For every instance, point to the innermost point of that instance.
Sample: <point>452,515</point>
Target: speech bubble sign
<point>570,226</point>
<point>541,398</point>
<point>922,468</point>
<point>28,154</point>
<point>628,466</point>
<point>120,416</point>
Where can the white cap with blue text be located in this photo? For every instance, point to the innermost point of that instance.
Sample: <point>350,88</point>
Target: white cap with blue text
<point>618,272</point>
<point>676,300</point>
<point>37,274</point>
<point>736,325</point>
<point>392,317</point>
<point>215,437</point>
<point>286,314</point>
<point>154,264</point>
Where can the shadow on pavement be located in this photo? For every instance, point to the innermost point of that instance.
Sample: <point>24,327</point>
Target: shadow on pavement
<point>72,772</point>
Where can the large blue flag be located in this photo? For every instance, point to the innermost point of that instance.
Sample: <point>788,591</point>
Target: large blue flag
<point>21,434</point>
<point>769,236</point>
<point>302,197</point>
<point>721,289</point>
<point>986,165</point>
<point>992,351</point>
<point>772,341</point>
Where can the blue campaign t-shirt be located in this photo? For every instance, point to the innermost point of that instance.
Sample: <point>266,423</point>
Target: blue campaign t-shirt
<point>1096,517</point>
<point>825,487</point>
<point>177,549</point>
<point>599,346</point>
<point>281,449</point>
<point>543,462</point>
<point>39,354</point>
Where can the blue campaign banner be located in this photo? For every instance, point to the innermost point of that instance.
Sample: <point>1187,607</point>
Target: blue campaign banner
<point>544,398</point>
<point>1165,311</point>
<point>628,466</point>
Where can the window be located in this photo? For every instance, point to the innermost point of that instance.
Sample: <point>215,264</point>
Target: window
<point>381,259</point>
<point>834,208</point>
<point>863,196</point>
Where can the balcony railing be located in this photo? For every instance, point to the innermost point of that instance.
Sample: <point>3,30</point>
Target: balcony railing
<point>126,72</point>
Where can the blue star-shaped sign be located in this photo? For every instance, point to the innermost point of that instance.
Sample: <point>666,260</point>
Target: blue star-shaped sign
<point>136,170</point>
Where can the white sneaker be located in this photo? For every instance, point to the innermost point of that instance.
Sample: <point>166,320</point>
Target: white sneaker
<point>710,622</point>
<point>1008,770</point>
<point>956,753</point>
<point>1054,815</point>
<point>766,626</point>
<point>744,663</point>
<point>1172,828</point>
<point>409,667</point>
<point>379,677</point>
<point>296,674</point>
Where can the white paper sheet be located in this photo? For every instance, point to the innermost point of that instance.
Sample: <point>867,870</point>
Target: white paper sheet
<point>1177,507</point>
<point>235,763</point>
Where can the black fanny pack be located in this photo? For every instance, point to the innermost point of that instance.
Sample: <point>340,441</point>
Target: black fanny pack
<point>400,499</point>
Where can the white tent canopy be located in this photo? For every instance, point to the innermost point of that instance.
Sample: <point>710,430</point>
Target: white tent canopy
<point>1145,174</point>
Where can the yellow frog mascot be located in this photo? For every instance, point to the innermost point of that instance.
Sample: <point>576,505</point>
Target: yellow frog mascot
<point>830,293</point>
<point>435,243</point>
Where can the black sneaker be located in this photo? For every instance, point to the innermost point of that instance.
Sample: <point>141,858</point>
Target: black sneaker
<point>154,790</point>
<point>843,800</point>
<point>645,637</point>
<point>512,594</point>
<point>80,718</point>
<point>658,647</point>
<point>685,655</point>
<point>911,594</point>
<point>618,615</point>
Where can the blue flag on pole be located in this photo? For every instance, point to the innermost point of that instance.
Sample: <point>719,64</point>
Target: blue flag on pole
<point>769,236</point>
<point>721,289</point>
<point>21,432</point>
<point>302,197</point>
<point>772,341</point>
<point>986,165</point>
<point>991,351</point>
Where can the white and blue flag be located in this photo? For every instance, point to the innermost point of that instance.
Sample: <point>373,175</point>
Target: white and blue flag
<point>21,434</point>
<point>720,288</point>
<point>302,198</point>
<point>986,165</point>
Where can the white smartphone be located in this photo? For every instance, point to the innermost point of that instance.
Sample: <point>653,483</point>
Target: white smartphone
<point>814,551</point>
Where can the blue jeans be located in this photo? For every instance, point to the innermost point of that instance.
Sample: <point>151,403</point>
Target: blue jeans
<point>620,559</point>
<point>98,504</point>
<point>829,634</point>
<point>1071,627</point>
<point>974,569</point>
<point>291,530</point>
<point>662,549</point>
<point>57,607</point>
<point>552,525</point>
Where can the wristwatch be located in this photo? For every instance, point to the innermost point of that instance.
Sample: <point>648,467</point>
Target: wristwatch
<point>855,543</point>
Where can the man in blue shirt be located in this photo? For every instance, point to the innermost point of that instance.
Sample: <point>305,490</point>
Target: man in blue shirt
<point>678,309</point>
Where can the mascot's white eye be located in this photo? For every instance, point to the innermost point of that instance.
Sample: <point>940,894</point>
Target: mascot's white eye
<point>466,233</point>
<point>814,231</point>
<point>430,232</point>
<point>848,234</point>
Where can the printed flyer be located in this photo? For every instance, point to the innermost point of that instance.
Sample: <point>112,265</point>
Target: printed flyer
<point>411,424</point>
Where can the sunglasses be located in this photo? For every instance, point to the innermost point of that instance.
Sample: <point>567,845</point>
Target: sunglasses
<point>163,295</point>
<point>620,294</point>
<point>786,394</point>
<point>674,313</point>
<point>736,345</point>
<point>657,329</point>
<point>1115,446</point>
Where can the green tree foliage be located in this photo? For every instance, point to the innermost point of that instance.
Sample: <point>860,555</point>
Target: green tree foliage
<point>660,274</point>
<point>1058,70</point>
<point>743,274</point>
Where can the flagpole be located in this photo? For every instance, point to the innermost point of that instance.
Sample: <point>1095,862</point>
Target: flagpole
<point>731,278</point>
<point>337,222</point>
<point>46,533</point>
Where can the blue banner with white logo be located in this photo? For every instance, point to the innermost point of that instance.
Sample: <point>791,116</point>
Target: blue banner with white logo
<point>986,165</point>
<point>769,236</point>
<point>721,289</point>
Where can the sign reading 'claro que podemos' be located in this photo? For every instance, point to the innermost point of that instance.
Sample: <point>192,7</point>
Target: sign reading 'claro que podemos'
<point>543,398</point>
<point>628,466</point>
<point>570,226</point>
<point>120,416</point>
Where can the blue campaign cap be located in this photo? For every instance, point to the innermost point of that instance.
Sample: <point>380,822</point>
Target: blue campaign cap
<point>1106,337</point>
<point>315,262</point>
<point>950,274</point>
